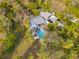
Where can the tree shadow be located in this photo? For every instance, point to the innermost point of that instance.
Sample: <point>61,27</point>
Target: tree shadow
<point>20,36</point>
<point>34,48</point>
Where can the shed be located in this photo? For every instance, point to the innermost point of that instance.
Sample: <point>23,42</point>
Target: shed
<point>53,18</point>
<point>60,24</point>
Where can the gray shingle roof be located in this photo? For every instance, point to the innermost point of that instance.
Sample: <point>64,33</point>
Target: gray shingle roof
<point>45,14</point>
<point>37,20</point>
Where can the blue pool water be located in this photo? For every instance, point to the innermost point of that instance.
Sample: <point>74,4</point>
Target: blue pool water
<point>40,33</point>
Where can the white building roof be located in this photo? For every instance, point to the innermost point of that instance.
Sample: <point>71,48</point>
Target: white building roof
<point>60,24</point>
<point>53,18</point>
<point>45,14</point>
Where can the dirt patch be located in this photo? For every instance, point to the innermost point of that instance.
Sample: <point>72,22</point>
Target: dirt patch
<point>58,5</point>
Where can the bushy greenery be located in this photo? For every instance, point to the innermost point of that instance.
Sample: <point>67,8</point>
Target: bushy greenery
<point>46,6</point>
<point>53,26</point>
<point>10,26</point>
<point>67,36</point>
<point>31,5</point>
<point>39,4</point>
<point>10,42</point>
<point>65,39</point>
<point>71,8</point>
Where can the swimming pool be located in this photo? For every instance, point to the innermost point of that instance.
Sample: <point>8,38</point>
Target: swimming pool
<point>40,32</point>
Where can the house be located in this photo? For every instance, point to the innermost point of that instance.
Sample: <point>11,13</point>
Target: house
<point>37,23</point>
<point>42,19</point>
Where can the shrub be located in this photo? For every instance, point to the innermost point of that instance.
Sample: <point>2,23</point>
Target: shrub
<point>10,42</point>
<point>35,12</point>
<point>33,8</point>
<point>39,3</point>
<point>31,5</point>
<point>46,6</point>
<point>52,27</point>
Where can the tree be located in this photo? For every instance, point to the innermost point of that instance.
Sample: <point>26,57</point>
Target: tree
<point>10,42</point>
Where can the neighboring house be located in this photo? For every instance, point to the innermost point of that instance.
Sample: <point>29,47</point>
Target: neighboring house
<point>72,18</point>
<point>75,20</point>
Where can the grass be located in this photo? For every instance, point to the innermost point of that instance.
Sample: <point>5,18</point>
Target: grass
<point>23,45</point>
